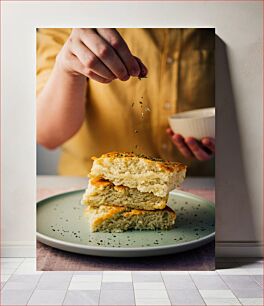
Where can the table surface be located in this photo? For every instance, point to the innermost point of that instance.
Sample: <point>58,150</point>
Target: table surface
<point>50,259</point>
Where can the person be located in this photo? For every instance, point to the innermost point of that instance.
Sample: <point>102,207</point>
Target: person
<point>101,90</point>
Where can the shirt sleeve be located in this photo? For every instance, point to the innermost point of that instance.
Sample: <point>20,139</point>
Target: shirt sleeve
<point>49,43</point>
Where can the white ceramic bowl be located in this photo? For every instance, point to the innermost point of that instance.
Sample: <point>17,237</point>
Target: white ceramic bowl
<point>197,123</point>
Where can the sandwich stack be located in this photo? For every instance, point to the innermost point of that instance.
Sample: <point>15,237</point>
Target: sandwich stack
<point>130,192</point>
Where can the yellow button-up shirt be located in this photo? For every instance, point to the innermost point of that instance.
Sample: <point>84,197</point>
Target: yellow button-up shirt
<point>133,115</point>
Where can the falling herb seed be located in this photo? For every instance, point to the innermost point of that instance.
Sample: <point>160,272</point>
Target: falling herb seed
<point>132,105</point>
<point>142,115</point>
<point>147,109</point>
<point>136,131</point>
<point>140,102</point>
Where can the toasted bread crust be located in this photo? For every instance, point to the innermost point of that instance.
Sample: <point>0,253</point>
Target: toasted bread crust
<point>104,213</point>
<point>109,212</point>
<point>162,164</point>
<point>101,182</point>
<point>103,192</point>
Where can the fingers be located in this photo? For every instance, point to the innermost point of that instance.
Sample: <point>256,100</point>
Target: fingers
<point>73,61</point>
<point>180,144</point>
<point>189,147</point>
<point>196,149</point>
<point>143,68</point>
<point>98,78</point>
<point>114,39</point>
<point>105,53</point>
<point>90,61</point>
<point>169,131</point>
<point>209,143</point>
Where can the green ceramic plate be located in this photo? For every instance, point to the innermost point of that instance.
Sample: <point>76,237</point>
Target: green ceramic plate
<point>62,225</point>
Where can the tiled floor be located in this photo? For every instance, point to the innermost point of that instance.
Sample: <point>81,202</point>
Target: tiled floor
<point>240,285</point>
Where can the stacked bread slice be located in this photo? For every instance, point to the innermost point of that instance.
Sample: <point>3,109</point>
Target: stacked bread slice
<point>128,191</point>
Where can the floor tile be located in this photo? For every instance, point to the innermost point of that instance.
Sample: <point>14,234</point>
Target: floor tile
<point>217,294</point>
<point>53,284</point>
<point>15,297</point>
<point>117,297</point>
<point>240,282</point>
<point>117,286</point>
<point>87,272</point>
<point>30,260</point>
<point>206,273</point>
<point>11,259</point>
<point>258,279</point>
<point>8,270</point>
<point>57,273</point>
<point>185,297</point>
<point>149,286</point>
<point>147,272</point>
<point>86,278</point>
<point>144,276</point>
<point>120,276</point>
<point>87,297</point>
<point>24,278</point>
<point>27,268</point>
<point>248,293</point>
<point>85,286</point>
<point>178,282</point>
<point>47,297</point>
<point>209,282</point>
<point>255,271</point>
<point>220,302</point>
<point>251,301</point>
<point>233,271</point>
<point>5,277</point>
<point>20,285</point>
<point>150,302</point>
<point>151,294</point>
<point>54,281</point>
<point>11,265</point>
<point>174,273</point>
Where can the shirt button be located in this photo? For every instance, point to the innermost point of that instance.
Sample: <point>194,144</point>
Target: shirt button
<point>167,105</point>
<point>169,60</point>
